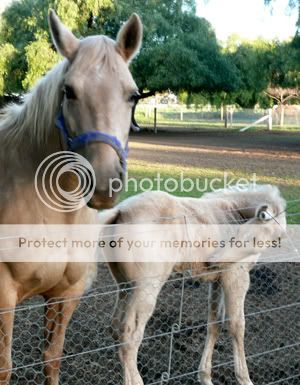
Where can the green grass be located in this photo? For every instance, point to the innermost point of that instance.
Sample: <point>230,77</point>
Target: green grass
<point>289,185</point>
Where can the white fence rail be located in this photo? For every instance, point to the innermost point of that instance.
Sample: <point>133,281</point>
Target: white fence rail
<point>179,116</point>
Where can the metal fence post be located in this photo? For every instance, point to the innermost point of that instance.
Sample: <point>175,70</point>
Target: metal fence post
<point>155,120</point>
<point>269,121</point>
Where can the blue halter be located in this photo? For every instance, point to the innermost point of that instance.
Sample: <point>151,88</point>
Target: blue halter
<point>78,141</point>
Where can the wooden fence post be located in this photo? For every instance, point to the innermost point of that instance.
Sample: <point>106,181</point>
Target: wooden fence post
<point>155,120</point>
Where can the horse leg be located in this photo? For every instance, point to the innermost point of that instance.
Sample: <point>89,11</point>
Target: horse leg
<point>215,307</point>
<point>138,310</point>
<point>119,311</point>
<point>235,285</point>
<point>57,317</point>
<point>7,312</point>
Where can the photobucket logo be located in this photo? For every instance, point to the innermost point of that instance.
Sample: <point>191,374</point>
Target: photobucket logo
<point>181,184</point>
<point>65,181</point>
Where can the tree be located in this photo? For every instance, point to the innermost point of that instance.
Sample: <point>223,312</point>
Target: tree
<point>40,57</point>
<point>284,76</point>
<point>282,96</point>
<point>7,52</point>
<point>251,59</point>
<point>33,53</point>
<point>180,50</point>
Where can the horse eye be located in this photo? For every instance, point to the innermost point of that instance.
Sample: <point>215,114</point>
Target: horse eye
<point>134,97</point>
<point>69,92</point>
<point>264,216</point>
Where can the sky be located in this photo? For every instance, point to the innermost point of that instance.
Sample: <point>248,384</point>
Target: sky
<point>249,18</point>
<point>3,4</point>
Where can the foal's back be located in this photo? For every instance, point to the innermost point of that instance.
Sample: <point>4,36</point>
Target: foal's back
<point>161,207</point>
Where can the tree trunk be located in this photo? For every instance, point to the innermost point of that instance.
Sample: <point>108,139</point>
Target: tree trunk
<point>134,125</point>
<point>143,95</point>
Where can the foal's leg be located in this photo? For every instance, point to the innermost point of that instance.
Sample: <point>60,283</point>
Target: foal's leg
<point>138,310</point>
<point>119,310</point>
<point>235,284</point>
<point>215,309</point>
<point>57,317</point>
<point>6,331</point>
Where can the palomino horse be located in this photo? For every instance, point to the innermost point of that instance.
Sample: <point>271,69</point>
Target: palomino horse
<point>229,279</point>
<point>84,103</point>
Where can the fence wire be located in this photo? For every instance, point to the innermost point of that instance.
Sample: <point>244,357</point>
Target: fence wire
<point>174,337</point>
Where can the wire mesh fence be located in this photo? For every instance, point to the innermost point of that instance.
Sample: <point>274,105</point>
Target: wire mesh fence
<point>174,338</point>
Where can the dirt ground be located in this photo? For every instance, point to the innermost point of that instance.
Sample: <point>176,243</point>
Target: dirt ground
<point>267,153</point>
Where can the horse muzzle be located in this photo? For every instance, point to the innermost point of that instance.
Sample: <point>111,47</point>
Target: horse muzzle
<point>107,157</point>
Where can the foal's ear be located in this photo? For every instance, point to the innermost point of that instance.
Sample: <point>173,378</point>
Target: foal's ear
<point>64,40</point>
<point>130,37</point>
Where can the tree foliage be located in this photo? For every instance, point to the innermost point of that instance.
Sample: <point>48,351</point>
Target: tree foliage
<point>24,27</point>
<point>180,51</point>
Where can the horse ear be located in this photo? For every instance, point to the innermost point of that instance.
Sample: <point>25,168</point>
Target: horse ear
<point>130,37</point>
<point>64,40</point>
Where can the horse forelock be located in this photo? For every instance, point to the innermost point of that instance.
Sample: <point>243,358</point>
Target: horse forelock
<point>96,53</point>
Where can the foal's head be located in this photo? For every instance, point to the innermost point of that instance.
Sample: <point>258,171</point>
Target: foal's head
<point>99,93</point>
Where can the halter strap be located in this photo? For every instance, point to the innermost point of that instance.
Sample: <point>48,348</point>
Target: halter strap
<point>78,141</point>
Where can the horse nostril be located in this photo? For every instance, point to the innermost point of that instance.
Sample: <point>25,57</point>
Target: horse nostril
<point>116,184</point>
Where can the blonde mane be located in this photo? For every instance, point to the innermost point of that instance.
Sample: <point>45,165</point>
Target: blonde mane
<point>33,119</point>
<point>236,191</point>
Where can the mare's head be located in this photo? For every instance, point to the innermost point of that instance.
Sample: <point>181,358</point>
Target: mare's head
<point>98,95</point>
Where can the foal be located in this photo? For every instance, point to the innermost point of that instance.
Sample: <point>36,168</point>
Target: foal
<point>228,286</point>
